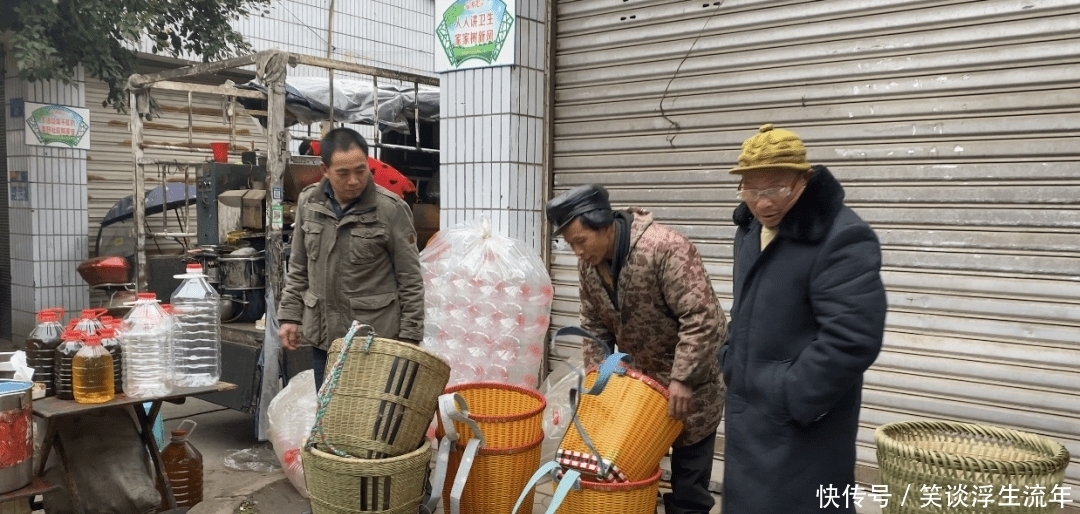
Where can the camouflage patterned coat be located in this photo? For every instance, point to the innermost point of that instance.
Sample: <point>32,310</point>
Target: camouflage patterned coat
<point>669,321</point>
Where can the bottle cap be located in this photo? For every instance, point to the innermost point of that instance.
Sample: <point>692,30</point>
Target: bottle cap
<point>107,333</point>
<point>179,433</point>
<point>194,267</point>
<point>88,314</point>
<point>48,316</point>
<point>93,339</point>
<point>73,335</point>
<point>168,308</point>
<point>147,296</point>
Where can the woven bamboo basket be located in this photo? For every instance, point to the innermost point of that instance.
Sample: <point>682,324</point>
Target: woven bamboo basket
<point>629,426</point>
<point>955,457</point>
<point>511,421</point>
<point>345,485</point>
<point>384,398</point>
<point>638,497</point>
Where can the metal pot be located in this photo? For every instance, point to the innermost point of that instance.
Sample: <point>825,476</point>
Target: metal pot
<point>243,273</point>
<point>15,411</point>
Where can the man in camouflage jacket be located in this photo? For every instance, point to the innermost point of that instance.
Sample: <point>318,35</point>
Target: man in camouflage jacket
<point>645,290</point>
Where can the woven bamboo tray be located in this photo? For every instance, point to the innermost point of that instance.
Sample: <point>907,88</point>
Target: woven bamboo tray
<point>340,485</point>
<point>384,398</point>
<point>962,456</point>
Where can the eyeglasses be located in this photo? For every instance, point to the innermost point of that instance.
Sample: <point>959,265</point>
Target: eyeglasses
<point>772,193</point>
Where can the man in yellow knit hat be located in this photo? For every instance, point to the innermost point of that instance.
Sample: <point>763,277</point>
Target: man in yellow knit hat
<point>807,321</point>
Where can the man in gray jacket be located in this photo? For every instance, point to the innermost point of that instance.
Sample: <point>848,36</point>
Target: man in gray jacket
<point>354,257</point>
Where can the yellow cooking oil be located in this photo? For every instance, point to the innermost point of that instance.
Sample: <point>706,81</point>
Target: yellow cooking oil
<point>92,373</point>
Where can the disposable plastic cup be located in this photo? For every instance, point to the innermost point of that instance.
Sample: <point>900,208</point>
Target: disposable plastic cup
<point>221,151</point>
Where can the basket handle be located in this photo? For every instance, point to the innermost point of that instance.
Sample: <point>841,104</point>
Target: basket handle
<point>326,392</point>
<point>580,332</point>
<point>602,465</point>
<point>570,480</point>
<point>452,407</point>
<point>607,368</point>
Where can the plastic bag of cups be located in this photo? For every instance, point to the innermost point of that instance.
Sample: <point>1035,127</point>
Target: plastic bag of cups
<point>487,303</point>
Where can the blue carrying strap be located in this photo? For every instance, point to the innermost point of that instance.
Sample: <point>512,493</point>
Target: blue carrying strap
<point>607,368</point>
<point>452,407</point>
<point>569,481</point>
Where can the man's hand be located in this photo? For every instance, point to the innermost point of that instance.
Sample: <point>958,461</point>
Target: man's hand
<point>679,398</point>
<point>290,336</point>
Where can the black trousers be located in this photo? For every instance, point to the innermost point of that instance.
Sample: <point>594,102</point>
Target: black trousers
<point>691,470</point>
<point>318,365</point>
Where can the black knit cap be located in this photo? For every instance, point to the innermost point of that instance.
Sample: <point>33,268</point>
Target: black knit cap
<point>562,209</point>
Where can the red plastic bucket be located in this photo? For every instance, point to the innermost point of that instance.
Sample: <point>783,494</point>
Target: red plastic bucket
<point>221,151</point>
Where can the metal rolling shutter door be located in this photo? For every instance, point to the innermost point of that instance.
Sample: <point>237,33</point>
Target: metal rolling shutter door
<point>953,127</point>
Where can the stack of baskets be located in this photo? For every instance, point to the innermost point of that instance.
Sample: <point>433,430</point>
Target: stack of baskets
<point>490,442</point>
<point>367,451</point>
<point>610,459</point>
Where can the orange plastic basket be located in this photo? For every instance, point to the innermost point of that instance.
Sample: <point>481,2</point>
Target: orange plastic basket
<point>496,478</point>
<point>626,498</point>
<point>627,422</point>
<point>509,416</point>
<point>510,424</point>
<point>576,494</point>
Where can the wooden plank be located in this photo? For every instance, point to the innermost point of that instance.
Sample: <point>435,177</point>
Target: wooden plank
<point>52,407</point>
<point>331,64</point>
<point>38,486</point>
<point>203,88</point>
<point>195,69</point>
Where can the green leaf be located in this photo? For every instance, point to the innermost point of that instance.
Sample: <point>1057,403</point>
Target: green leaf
<point>53,37</point>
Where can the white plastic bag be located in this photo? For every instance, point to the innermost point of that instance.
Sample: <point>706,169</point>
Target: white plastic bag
<point>291,415</point>
<point>558,414</point>
<point>487,305</point>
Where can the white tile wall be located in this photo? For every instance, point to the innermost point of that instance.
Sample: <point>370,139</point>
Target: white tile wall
<point>48,232</point>
<point>492,137</point>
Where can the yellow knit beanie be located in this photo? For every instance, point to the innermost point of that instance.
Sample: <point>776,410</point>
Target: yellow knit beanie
<point>772,149</point>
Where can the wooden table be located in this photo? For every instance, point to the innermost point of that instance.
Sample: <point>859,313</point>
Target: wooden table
<point>18,501</point>
<point>51,408</point>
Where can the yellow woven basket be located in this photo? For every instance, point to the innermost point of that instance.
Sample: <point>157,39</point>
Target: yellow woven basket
<point>509,416</point>
<point>627,422</point>
<point>382,401</point>
<point>510,424</point>
<point>626,498</point>
<point>952,457</point>
<point>496,478</point>
<point>345,485</point>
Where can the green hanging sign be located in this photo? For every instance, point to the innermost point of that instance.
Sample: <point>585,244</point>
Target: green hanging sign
<point>57,125</point>
<point>474,34</point>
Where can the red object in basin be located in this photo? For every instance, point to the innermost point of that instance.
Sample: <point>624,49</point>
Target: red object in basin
<point>390,178</point>
<point>105,270</point>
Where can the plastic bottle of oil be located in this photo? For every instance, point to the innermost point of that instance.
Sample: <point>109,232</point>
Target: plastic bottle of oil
<point>71,343</point>
<point>92,373</point>
<point>111,342</point>
<point>184,467</point>
<point>40,346</point>
<point>88,322</point>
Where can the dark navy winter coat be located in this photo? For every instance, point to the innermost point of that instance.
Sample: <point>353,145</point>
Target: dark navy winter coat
<point>807,321</point>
